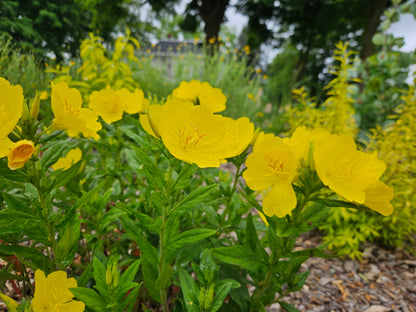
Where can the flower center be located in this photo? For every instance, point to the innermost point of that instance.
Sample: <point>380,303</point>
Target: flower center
<point>276,167</point>
<point>71,109</point>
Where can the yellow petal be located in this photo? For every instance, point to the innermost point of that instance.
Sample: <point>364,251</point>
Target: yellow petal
<point>378,197</point>
<point>280,201</point>
<point>5,146</point>
<point>20,153</point>
<point>11,106</point>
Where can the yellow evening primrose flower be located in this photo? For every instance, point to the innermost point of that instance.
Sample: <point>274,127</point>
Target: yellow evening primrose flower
<point>272,164</point>
<point>238,135</point>
<point>106,104</point>
<point>69,115</point>
<point>66,162</point>
<point>345,170</point>
<point>11,106</point>
<point>52,293</point>
<point>193,134</point>
<point>202,93</point>
<point>20,152</point>
<point>132,102</point>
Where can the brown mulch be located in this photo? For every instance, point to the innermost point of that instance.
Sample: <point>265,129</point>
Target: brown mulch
<point>383,281</point>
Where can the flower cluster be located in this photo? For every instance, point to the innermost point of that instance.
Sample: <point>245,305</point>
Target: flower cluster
<point>350,173</point>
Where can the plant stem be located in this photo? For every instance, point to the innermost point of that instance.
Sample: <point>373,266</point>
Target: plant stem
<point>233,189</point>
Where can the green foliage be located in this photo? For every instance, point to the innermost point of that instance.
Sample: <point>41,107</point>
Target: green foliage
<point>44,26</point>
<point>159,73</point>
<point>21,68</point>
<point>336,114</point>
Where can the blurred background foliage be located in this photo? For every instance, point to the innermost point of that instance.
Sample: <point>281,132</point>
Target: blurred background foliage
<point>361,88</point>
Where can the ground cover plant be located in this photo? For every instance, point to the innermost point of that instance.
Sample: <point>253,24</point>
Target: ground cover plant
<point>128,195</point>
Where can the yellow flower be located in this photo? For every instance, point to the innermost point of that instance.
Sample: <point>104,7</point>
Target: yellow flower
<point>132,102</point>
<point>345,170</point>
<point>66,162</point>
<point>20,152</point>
<point>150,120</point>
<point>52,293</point>
<point>69,115</point>
<point>238,136</point>
<point>110,104</point>
<point>213,99</point>
<point>192,134</point>
<point>11,106</point>
<point>272,164</point>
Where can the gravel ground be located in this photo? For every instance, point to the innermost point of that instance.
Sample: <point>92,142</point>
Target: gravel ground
<point>383,281</point>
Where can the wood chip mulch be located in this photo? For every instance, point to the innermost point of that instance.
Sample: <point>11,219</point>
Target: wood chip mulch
<point>383,281</point>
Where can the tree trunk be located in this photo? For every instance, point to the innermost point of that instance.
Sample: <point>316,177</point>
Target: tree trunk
<point>212,13</point>
<point>374,11</point>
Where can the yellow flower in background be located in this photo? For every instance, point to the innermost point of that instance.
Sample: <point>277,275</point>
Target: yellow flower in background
<point>272,164</point>
<point>69,115</point>
<point>52,293</point>
<point>66,162</point>
<point>132,102</point>
<point>20,152</point>
<point>106,104</point>
<point>11,106</point>
<point>345,170</point>
<point>111,105</point>
<point>213,99</point>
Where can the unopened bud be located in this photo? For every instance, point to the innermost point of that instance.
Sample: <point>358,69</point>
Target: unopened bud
<point>34,107</point>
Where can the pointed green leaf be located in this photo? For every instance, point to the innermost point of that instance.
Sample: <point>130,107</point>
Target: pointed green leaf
<point>241,256</point>
<point>189,237</point>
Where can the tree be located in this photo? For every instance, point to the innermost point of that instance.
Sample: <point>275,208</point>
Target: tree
<point>44,25</point>
<point>313,27</point>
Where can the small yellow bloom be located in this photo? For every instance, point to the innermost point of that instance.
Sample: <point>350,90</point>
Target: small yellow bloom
<point>238,135</point>
<point>66,162</point>
<point>345,170</point>
<point>265,77</point>
<point>202,93</point>
<point>11,106</point>
<point>110,104</point>
<point>69,115</point>
<point>272,164</point>
<point>44,95</point>
<point>52,293</point>
<point>20,152</point>
<point>106,104</point>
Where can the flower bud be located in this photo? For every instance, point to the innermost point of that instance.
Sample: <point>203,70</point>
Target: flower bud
<point>20,153</point>
<point>34,107</point>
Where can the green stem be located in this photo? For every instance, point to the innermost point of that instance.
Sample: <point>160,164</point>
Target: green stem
<point>163,293</point>
<point>233,190</point>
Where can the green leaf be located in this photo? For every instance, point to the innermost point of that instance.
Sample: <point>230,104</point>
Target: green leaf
<point>63,176</point>
<point>185,175</point>
<point>335,203</point>
<point>99,277</point>
<point>14,221</point>
<point>189,290</point>
<point>145,220</point>
<point>68,243</point>
<point>13,175</point>
<point>241,256</point>
<point>221,292</point>
<point>252,239</point>
<point>53,153</point>
<point>148,250</point>
<point>165,278</point>
<point>150,275</point>
<point>196,197</point>
<point>130,273</point>
<point>139,160</point>
<point>189,237</point>
<point>90,298</point>
<point>36,259</point>
<point>288,307</point>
